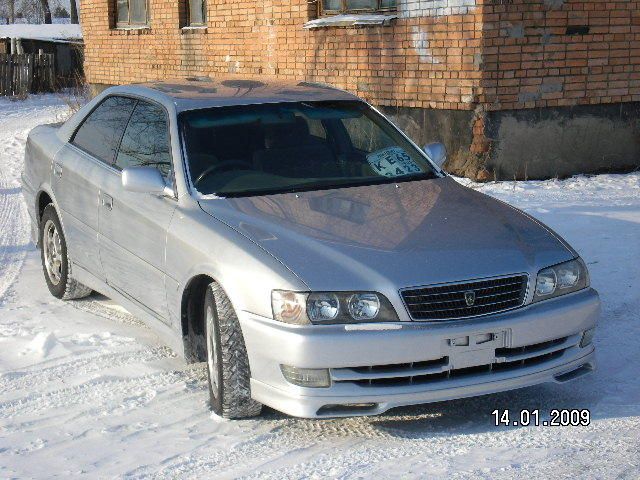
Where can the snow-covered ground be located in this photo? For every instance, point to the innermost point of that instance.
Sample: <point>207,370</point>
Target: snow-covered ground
<point>60,31</point>
<point>85,388</point>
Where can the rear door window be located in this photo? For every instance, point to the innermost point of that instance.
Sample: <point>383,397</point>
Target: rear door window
<point>100,133</point>
<point>145,142</point>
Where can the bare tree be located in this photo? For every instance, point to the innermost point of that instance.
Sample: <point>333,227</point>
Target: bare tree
<point>7,11</point>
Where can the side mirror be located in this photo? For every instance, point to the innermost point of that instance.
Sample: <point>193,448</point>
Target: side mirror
<point>437,152</point>
<point>145,180</point>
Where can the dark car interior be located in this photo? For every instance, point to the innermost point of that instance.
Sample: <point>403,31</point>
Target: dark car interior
<point>261,146</point>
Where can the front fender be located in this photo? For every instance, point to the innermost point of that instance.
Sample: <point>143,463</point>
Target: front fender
<point>198,244</point>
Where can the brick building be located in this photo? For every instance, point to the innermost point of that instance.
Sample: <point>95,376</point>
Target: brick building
<point>514,88</point>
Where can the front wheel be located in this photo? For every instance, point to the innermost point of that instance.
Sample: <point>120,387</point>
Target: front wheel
<point>227,361</point>
<point>55,261</point>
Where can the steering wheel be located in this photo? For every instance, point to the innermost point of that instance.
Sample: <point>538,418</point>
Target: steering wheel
<point>226,165</point>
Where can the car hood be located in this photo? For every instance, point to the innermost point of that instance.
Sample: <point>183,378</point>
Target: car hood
<point>385,237</point>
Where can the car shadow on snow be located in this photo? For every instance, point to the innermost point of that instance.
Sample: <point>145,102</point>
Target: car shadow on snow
<point>10,191</point>
<point>474,415</point>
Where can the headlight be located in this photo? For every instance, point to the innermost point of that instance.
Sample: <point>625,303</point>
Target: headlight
<point>560,279</point>
<point>322,307</point>
<point>304,308</point>
<point>364,306</point>
<point>547,282</point>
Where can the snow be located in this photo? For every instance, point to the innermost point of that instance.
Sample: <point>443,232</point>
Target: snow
<point>85,388</point>
<point>59,31</point>
<point>346,20</point>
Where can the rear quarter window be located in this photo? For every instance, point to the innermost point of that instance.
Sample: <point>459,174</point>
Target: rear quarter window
<point>101,131</point>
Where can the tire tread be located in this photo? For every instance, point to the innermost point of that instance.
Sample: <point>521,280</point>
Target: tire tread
<point>236,374</point>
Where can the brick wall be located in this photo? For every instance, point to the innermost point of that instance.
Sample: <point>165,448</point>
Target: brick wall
<point>447,54</point>
<point>548,53</point>
<point>419,61</point>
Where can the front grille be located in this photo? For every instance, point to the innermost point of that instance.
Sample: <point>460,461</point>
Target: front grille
<point>439,370</point>
<point>445,302</point>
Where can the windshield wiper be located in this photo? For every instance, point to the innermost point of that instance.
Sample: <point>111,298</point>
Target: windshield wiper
<point>332,184</point>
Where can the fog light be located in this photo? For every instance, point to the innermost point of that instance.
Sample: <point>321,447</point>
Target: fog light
<point>306,377</point>
<point>587,337</point>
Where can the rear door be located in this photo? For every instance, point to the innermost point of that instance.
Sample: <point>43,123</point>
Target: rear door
<point>133,226</point>
<point>79,168</point>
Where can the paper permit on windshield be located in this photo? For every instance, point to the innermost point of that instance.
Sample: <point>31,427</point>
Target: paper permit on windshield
<point>392,162</point>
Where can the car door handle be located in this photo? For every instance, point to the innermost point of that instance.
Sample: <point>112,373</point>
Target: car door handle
<point>57,169</point>
<point>106,201</point>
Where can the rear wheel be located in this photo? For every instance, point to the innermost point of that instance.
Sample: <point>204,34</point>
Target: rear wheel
<point>227,361</point>
<point>55,261</point>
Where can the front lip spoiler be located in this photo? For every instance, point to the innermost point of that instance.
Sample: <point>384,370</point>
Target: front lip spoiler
<point>307,406</point>
<point>569,375</point>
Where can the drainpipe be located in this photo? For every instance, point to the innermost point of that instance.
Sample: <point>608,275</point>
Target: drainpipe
<point>19,45</point>
<point>13,46</point>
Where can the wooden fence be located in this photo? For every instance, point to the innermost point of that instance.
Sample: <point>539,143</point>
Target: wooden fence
<point>24,73</point>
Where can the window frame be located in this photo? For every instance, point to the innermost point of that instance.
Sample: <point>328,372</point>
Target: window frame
<point>188,14</point>
<point>322,12</point>
<point>171,177</point>
<point>129,23</point>
<point>72,138</point>
<point>111,165</point>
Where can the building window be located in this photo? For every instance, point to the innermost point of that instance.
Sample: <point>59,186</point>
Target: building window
<point>334,7</point>
<point>197,12</point>
<point>131,13</point>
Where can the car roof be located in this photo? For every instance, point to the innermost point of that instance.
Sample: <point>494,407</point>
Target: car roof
<point>204,92</point>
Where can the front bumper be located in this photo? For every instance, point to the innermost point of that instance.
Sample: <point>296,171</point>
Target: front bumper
<point>432,361</point>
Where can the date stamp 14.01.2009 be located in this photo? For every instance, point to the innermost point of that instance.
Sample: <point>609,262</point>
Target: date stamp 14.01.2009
<point>573,417</point>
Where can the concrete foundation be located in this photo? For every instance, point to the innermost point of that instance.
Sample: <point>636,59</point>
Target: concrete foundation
<point>535,143</point>
<point>558,142</point>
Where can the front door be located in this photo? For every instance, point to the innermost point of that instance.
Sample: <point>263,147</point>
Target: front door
<point>78,170</point>
<point>133,226</point>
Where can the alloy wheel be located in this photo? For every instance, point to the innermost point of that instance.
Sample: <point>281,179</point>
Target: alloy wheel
<point>52,252</point>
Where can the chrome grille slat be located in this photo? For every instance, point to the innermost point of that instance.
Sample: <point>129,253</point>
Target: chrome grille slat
<point>443,302</point>
<point>459,291</point>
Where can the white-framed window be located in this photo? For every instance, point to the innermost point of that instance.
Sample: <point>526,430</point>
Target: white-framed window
<point>335,7</point>
<point>196,13</point>
<point>132,13</point>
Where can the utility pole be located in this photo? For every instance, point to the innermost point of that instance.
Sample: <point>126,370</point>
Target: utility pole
<point>12,11</point>
<point>46,10</point>
<point>73,13</point>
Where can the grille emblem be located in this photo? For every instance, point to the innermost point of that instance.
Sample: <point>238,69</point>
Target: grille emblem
<point>470,297</point>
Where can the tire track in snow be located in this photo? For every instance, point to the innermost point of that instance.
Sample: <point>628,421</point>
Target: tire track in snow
<point>95,304</point>
<point>90,364</point>
<point>16,122</point>
<point>14,233</point>
<point>100,395</point>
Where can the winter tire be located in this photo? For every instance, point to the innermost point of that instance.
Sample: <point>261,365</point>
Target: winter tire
<point>227,362</point>
<point>55,261</point>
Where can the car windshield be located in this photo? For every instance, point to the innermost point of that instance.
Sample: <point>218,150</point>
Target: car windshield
<point>289,147</point>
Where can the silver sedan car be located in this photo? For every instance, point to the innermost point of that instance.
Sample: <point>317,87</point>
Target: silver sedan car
<point>296,241</point>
